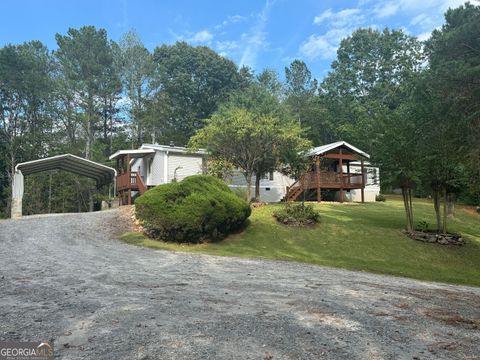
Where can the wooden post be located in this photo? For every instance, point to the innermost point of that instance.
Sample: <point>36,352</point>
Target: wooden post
<point>341,176</point>
<point>317,173</point>
<point>128,180</point>
<point>348,172</point>
<point>363,182</point>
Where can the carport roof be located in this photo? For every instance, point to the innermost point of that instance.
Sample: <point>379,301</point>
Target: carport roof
<point>74,164</point>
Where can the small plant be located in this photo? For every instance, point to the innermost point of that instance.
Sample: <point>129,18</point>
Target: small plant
<point>423,226</point>
<point>380,197</point>
<point>297,215</point>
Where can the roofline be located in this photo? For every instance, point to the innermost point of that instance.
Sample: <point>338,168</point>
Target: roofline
<point>62,156</point>
<point>334,145</point>
<point>126,152</point>
<point>181,149</point>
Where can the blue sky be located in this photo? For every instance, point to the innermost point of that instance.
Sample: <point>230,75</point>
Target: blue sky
<point>261,34</point>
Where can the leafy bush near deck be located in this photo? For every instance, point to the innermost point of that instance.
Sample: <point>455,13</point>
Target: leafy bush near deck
<point>297,214</point>
<point>194,210</point>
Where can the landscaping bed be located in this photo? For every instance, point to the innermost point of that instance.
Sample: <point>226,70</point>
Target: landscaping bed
<point>434,237</point>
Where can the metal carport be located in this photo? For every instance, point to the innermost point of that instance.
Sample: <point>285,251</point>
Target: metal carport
<point>102,174</point>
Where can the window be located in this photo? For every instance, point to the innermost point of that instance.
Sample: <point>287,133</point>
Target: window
<point>268,176</point>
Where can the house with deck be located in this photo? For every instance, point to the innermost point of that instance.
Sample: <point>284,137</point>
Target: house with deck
<point>152,165</point>
<point>338,172</point>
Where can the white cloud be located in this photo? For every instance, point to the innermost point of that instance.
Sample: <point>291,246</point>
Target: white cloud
<point>323,16</point>
<point>203,36</point>
<point>340,24</point>
<point>226,45</point>
<point>339,19</point>
<point>387,9</point>
<point>324,46</point>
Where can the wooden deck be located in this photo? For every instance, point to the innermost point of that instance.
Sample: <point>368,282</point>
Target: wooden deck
<point>325,180</point>
<point>128,182</point>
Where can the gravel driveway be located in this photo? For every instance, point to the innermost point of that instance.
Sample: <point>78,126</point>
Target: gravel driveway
<point>66,278</point>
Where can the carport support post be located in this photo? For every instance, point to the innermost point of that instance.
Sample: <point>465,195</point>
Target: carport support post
<point>363,181</point>
<point>17,195</point>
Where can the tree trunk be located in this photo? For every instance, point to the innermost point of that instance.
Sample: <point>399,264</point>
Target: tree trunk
<point>450,204</point>
<point>406,194</point>
<point>445,217</point>
<point>436,205</point>
<point>50,193</point>
<point>248,178</point>
<point>257,187</point>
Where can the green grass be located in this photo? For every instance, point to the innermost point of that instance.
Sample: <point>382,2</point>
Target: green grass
<point>365,237</point>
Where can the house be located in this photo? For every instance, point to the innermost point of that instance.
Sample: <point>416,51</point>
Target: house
<point>335,173</point>
<point>153,165</point>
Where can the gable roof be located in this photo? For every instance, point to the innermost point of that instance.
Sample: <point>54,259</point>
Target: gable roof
<point>74,164</point>
<point>324,148</point>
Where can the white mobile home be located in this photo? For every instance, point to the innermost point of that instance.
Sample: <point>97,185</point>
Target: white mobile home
<point>335,174</point>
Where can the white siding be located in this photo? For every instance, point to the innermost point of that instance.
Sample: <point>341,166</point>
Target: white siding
<point>372,184</point>
<point>270,190</point>
<point>184,164</point>
<point>156,169</point>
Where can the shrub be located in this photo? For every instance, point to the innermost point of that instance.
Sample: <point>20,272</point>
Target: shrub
<point>297,214</point>
<point>380,197</point>
<point>196,209</point>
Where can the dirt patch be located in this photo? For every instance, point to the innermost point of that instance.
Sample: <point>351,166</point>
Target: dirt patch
<point>450,317</point>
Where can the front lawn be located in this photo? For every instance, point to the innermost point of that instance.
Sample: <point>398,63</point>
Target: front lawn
<point>364,237</point>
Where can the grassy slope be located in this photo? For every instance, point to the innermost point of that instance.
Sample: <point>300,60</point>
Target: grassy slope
<point>360,237</point>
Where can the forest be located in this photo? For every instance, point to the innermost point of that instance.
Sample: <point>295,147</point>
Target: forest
<point>413,105</point>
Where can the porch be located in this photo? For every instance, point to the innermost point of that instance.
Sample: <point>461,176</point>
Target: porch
<point>128,180</point>
<point>330,170</point>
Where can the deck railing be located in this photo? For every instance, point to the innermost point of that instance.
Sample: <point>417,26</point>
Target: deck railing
<point>326,179</point>
<point>131,181</point>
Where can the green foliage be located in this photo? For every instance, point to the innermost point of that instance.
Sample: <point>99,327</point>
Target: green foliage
<point>297,214</point>
<point>220,169</point>
<point>380,197</point>
<point>86,59</point>
<point>199,208</point>
<point>369,79</point>
<point>423,225</point>
<point>136,65</point>
<point>190,83</point>
<point>249,141</point>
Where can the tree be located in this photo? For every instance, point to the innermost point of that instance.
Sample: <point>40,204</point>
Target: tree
<point>26,87</point>
<point>300,89</point>
<point>397,154</point>
<point>137,69</point>
<point>189,83</point>
<point>261,97</point>
<point>454,90</point>
<point>369,79</point>
<point>244,139</point>
<point>86,60</point>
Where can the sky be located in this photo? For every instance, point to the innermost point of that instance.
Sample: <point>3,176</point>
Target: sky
<point>261,33</point>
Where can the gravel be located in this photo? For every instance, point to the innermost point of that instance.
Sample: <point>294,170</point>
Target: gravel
<point>68,279</point>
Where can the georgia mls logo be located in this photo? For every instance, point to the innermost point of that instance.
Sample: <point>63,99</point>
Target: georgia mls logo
<point>25,350</point>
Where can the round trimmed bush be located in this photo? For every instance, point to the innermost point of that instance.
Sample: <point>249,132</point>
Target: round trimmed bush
<point>197,209</point>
